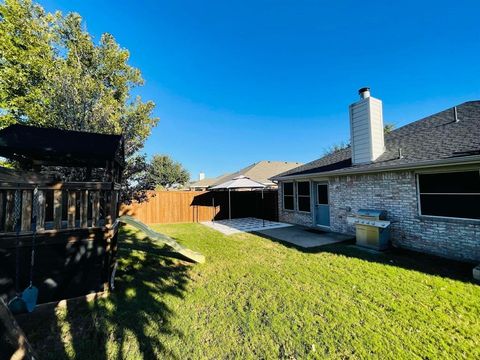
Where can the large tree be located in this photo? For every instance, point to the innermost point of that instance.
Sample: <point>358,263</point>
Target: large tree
<point>26,59</point>
<point>165,172</point>
<point>52,73</point>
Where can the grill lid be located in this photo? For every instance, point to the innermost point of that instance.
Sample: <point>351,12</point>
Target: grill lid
<point>372,213</point>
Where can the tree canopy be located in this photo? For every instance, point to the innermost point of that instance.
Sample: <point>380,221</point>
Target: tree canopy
<point>166,172</point>
<point>53,74</point>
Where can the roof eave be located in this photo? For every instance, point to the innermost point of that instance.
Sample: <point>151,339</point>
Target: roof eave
<point>423,164</point>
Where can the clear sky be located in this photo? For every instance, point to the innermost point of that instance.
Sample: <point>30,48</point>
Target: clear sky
<point>236,82</point>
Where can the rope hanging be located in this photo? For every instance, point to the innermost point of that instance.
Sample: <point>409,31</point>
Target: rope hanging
<point>36,197</point>
<point>17,212</point>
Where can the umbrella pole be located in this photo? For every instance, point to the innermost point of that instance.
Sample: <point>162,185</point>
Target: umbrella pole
<point>263,211</point>
<point>229,205</point>
<point>213,205</point>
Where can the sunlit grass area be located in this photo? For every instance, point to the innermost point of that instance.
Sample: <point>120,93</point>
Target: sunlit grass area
<point>255,298</point>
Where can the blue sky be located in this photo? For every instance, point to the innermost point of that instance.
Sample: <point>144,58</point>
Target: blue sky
<point>236,82</point>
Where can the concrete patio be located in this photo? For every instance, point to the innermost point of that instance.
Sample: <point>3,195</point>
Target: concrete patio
<point>304,237</point>
<point>299,236</point>
<point>240,225</point>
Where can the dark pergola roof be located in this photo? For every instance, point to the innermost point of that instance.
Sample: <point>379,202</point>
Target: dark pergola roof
<point>55,147</point>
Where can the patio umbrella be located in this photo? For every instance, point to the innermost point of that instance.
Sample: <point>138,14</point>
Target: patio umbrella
<point>239,182</point>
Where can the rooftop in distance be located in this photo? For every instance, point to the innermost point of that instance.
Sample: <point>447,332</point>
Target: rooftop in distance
<point>260,171</point>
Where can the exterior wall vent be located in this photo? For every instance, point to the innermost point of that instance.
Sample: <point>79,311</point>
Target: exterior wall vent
<point>366,128</point>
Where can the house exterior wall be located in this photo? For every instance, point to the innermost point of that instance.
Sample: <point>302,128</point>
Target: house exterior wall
<point>293,216</point>
<point>396,192</point>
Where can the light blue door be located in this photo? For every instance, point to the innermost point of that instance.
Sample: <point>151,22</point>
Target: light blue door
<point>322,207</point>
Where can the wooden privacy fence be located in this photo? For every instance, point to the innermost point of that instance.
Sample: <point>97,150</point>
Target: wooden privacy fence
<point>196,206</point>
<point>169,207</point>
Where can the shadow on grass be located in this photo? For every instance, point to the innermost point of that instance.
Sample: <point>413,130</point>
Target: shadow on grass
<point>125,325</point>
<point>406,259</point>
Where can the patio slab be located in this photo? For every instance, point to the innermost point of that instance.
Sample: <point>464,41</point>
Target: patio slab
<point>303,237</point>
<point>235,226</point>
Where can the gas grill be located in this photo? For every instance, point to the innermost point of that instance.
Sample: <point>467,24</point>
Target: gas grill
<point>372,228</point>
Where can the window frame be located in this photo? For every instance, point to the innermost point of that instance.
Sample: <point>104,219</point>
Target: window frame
<point>304,196</point>
<point>292,196</point>
<point>443,171</point>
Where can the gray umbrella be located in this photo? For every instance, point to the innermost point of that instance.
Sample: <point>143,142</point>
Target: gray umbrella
<point>240,182</point>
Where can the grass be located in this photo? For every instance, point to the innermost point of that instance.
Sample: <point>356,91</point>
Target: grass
<point>255,298</point>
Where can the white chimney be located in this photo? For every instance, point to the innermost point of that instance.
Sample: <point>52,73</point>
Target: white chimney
<point>366,128</point>
<point>201,176</point>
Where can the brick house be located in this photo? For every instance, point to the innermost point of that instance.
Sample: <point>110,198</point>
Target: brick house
<point>425,174</point>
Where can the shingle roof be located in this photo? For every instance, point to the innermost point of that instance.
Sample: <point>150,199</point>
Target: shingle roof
<point>204,183</point>
<point>436,137</point>
<point>262,171</point>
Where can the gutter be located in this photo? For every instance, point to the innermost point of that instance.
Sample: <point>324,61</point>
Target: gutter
<point>424,164</point>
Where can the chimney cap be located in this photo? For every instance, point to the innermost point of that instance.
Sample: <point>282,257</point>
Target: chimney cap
<point>363,89</point>
<point>364,92</point>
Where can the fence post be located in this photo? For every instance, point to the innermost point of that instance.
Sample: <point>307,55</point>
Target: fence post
<point>96,209</point>
<point>9,211</point>
<point>72,198</point>
<point>57,209</point>
<point>41,210</point>
<point>26,223</point>
<point>84,208</point>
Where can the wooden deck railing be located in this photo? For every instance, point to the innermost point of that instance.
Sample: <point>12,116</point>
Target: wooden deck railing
<point>57,206</point>
<point>75,244</point>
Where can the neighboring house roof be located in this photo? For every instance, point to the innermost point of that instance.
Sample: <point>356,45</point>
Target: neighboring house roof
<point>55,147</point>
<point>240,182</point>
<point>262,171</point>
<point>436,139</point>
<point>205,183</point>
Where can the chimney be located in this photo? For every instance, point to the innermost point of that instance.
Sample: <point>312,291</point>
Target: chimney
<point>366,128</point>
<point>201,176</point>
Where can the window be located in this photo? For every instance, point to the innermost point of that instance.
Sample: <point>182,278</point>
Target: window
<point>455,194</point>
<point>303,196</point>
<point>322,194</point>
<point>288,196</point>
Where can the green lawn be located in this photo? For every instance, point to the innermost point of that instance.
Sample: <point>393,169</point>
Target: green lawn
<point>255,298</point>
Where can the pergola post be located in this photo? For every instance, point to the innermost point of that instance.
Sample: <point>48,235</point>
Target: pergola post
<point>229,206</point>
<point>213,206</point>
<point>263,211</point>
